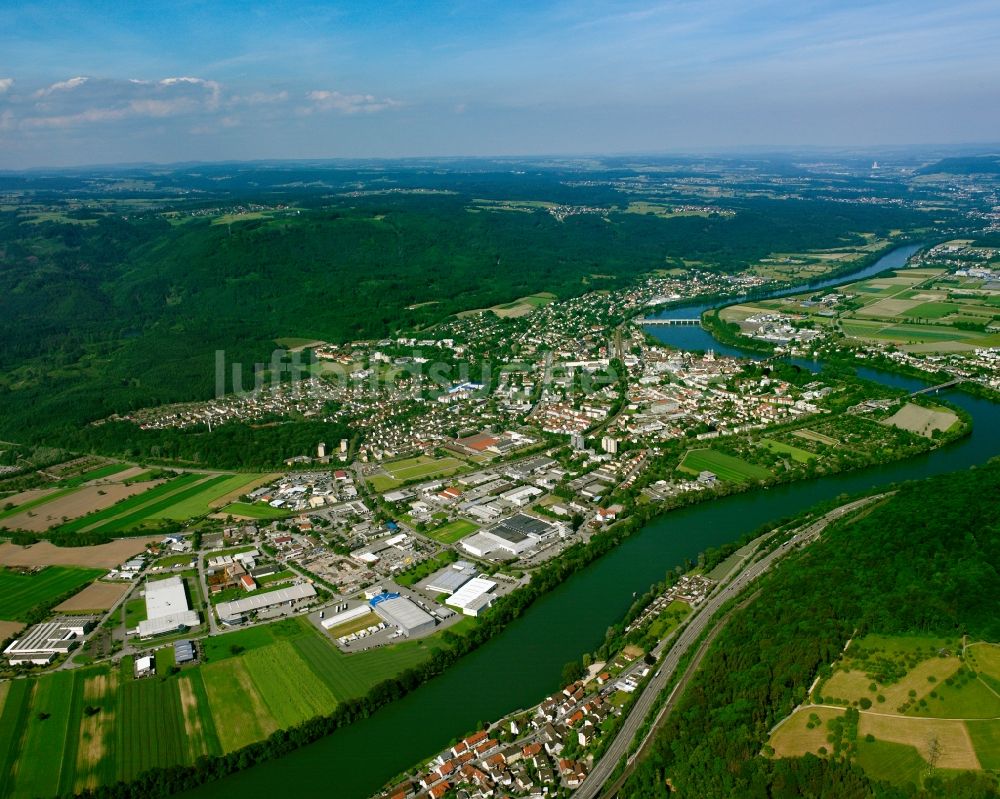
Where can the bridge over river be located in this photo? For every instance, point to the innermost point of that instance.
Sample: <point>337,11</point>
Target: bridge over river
<point>668,321</point>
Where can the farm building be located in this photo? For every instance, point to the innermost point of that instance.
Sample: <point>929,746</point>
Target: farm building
<point>167,608</point>
<point>404,614</point>
<point>473,597</point>
<point>449,579</point>
<point>183,652</point>
<point>232,612</point>
<point>145,666</point>
<point>41,644</point>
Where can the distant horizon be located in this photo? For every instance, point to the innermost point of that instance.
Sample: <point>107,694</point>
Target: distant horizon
<point>969,149</point>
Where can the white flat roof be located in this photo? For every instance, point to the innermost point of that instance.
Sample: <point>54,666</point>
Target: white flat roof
<point>228,610</point>
<point>403,612</point>
<point>165,598</point>
<point>469,592</point>
<point>168,623</point>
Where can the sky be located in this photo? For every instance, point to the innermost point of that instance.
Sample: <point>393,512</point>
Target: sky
<point>94,82</point>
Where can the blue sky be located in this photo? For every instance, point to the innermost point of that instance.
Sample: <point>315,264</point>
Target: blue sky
<point>99,82</point>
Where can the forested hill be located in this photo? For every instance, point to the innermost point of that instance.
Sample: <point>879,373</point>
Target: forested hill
<point>969,165</point>
<point>927,561</point>
<point>103,313</point>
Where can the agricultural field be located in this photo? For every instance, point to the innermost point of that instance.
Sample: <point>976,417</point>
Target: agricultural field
<point>922,421</point>
<point>795,453</point>
<point>93,726</point>
<point>453,531</point>
<point>185,497</point>
<point>395,473</point>
<point>99,556</point>
<point>102,519</point>
<point>9,629</point>
<point>919,309</point>
<point>523,305</point>
<point>24,501</point>
<point>921,705</point>
<point>72,503</point>
<point>215,494</point>
<point>257,510</point>
<point>725,467</point>
<point>21,593</point>
<point>97,596</point>
<point>661,210</point>
<point>811,435</point>
<point>670,618</point>
<point>150,726</point>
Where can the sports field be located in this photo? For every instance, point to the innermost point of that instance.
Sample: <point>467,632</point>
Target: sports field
<point>422,467</point>
<point>21,593</point>
<point>453,531</point>
<point>725,467</point>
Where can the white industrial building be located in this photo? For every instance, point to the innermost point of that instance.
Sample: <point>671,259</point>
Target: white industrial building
<point>473,597</point>
<point>41,644</point>
<point>144,666</point>
<point>510,537</point>
<point>405,614</point>
<point>449,579</point>
<point>167,608</point>
<point>232,612</point>
<point>346,616</point>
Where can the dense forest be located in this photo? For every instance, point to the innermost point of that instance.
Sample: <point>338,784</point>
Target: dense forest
<point>107,312</point>
<point>928,560</point>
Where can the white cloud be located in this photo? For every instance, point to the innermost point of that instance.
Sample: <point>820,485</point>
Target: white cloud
<point>5,84</point>
<point>80,101</point>
<point>62,86</point>
<point>323,100</point>
<point>258,98</point>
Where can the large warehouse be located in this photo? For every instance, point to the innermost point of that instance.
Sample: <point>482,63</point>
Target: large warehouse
<point>449,579</point>
<point>41,644</point>
<point>473,597</point>
<point>167,608</point>
<point>403,613</point>
<point>510,537</point>
<point>232,612</point>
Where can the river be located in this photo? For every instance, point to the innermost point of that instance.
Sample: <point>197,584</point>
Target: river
<point>693,337</point>
<point>522,665</point>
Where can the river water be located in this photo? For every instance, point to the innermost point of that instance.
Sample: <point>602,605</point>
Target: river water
<point>522,665</point>
<point>693,337</point>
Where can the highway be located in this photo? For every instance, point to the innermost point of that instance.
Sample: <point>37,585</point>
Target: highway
<point>699,622</point>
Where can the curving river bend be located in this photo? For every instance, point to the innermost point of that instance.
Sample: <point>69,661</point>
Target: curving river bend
<point>521,666</point>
